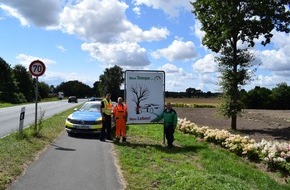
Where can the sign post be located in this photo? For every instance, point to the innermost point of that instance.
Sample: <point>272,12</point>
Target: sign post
<point>36,68</point>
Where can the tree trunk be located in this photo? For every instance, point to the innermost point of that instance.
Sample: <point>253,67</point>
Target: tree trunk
<point>234,122</point>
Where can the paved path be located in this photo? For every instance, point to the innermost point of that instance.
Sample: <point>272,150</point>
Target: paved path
<point>72,163</point>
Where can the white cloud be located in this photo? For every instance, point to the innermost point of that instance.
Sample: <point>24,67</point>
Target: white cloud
<point>269,81</point>
<point>25,60</point>
<point>275,60</point>
<point>197,30</point>
<point>176,78</point>
<point>61,48</point>
<point>137,11</point>
<point>93,21</point>
<point>206,65</point>
<point>172,70</point>
<point>41,12</point>
<point>178,50</point>
<point>56,78</point>
<point>281,40</point>
<point>171,7</point>
<point>14,13</point>
<point>122,54</point>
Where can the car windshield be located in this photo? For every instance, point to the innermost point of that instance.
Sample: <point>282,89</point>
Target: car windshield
<point>91,107</point>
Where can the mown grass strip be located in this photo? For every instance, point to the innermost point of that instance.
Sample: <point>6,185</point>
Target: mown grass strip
<point>148,164</point>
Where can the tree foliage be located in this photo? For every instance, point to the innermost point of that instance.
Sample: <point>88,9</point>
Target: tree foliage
<point>8,85</point>
<point>111,81</point>
<point>233,77</point>
<point>95,89</point>
<point>74,88</point>
<point>24,81</point>
<point>228,22</point>
<point>259,98</point>
<point>43,90</point>
<point>281,96</point>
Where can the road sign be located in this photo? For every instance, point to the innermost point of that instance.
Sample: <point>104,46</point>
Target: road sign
<point>144,93</point>
<point>37,68</point>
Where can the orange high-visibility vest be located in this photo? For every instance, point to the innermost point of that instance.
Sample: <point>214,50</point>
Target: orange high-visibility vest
<point>120,111</point>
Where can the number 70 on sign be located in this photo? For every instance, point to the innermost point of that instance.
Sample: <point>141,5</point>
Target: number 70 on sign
<point>37,68</point>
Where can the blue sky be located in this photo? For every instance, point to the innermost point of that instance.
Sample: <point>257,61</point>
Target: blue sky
<point>79,39</point>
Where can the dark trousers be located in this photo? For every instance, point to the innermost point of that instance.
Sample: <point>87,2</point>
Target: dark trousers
<point>106,127</point>
<point>169,134</point>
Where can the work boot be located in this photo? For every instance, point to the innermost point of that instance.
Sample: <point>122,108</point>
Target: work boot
<point>117,139</point>
<point>124,139</point>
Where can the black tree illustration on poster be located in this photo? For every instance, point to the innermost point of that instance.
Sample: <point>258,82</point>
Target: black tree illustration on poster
<point>141,93</point>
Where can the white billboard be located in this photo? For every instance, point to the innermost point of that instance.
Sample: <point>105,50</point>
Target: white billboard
<point>144,94</point>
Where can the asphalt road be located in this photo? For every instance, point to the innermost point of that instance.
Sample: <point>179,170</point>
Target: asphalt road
<point>10,117</point>
<point>72,163</point>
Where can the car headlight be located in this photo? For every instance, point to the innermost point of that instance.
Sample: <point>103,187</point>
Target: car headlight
<point>69,120</point>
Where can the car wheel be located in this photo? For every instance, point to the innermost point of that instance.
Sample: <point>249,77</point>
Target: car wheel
<point>70,134</point>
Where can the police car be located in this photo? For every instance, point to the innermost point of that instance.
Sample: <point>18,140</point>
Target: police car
<point>86,119</point>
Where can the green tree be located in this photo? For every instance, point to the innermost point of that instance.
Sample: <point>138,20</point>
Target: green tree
<point>8,85</point>
<point>190,92</point>
<point>281,96</point>
<point>52,89</point>
<point>43,90</point>
<point>74,88</point>
<point>111,82</point>
<point>95,89</point>
<point>231,80</point>
<point>24,82</point>
<point>228,22</point>
<point>259,98</point>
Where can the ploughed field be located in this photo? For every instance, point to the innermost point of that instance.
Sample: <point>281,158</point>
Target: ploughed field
<point>258,124</point>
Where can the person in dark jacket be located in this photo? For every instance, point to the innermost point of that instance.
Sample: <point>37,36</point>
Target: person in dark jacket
<point>106,111</point>
<point>170,121</point>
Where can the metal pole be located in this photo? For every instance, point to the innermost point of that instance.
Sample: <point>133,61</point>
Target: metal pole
<point>163,133</point>
<point>36,100</point>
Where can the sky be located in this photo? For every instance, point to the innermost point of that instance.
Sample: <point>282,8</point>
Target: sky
<point>79,39</point>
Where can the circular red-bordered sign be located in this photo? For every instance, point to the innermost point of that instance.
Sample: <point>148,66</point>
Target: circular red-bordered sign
<point>37,68</point>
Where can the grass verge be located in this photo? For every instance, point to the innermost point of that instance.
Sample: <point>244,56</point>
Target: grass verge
<point>148,164</point>
<point>145,162</point>
<point>17,150</point>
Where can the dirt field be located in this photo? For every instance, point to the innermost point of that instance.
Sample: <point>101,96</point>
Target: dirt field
<point>258,124</point>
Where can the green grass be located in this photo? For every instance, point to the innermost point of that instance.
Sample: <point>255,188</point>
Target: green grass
<point>145,162</point>
<point>17,150</point>
<point>148,164</point>
<point>4,105</point>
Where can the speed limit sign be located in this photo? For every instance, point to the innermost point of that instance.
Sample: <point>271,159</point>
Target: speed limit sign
<point>37,68</point>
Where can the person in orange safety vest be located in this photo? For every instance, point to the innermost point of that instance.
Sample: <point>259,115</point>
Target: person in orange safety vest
<point>120,114</point>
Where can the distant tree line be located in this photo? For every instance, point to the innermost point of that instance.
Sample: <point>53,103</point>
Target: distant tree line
<point>258,98</point>
<point>262,98</point>
<point>192,93</point>
<point>17,86</point>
